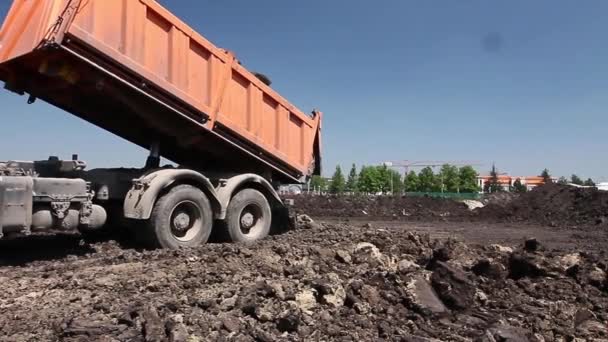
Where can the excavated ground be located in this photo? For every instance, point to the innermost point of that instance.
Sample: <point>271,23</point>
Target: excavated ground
<point>331,281</point>
<point>339,279</point>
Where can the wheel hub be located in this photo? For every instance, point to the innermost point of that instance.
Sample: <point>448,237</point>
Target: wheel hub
<point>247,220</point>
<point>181,221</point>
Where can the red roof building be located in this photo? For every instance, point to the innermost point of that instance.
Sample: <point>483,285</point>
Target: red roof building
<point>507,181</point>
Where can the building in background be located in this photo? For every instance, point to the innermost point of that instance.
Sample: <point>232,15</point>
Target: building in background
<point>507,181</point>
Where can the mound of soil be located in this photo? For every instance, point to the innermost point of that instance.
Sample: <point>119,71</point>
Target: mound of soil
<point>554,205</point>
<point>388,207</point>
<point>329,282</point>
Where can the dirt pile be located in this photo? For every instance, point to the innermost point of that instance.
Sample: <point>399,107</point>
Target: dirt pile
<point>388,207</point>
<point>554,205</point>
<point>329,282</point>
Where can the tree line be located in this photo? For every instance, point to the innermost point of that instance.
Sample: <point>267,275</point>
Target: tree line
<point>574,179</point>
<point>494,185</point>
<point>382,179</point>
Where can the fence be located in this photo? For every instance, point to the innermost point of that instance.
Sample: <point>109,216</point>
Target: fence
<point>451,195</point>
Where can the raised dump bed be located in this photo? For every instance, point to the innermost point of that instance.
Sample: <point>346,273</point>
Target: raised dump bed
<point>133,68</point>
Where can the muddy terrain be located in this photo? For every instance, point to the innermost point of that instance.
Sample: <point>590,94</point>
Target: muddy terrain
<point>334,279</point>
<point>552,205</point>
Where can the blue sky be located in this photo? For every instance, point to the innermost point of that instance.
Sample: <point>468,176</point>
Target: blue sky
<point>520,83</point>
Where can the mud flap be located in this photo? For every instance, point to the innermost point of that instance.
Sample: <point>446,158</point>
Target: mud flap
<point>284,218</point>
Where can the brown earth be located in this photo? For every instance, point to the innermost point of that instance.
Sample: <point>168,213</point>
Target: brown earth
<point>359,281</point>
<point>337,279</point>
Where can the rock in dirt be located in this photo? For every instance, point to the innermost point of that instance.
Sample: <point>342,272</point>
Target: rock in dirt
<point>365,252</point>
<point>306,300</point>
<point>505,333</point>
<point>231,324</point>
<point>453,286</point>
<point>591,328</point>
<point>343,256</point>
<point>178,332</point>
<point>442,254</point>
<point>407,266</point>
<point>500,248</point>
<point>531,245</point>
<point>489,268</point>
<point>84,327</point>
<point>472,204</point>
<point>582,316</point>
<point>525,265</point>
<point>289,321</point>
<point>414,338</point>
<point>567,261</point>
<point>422,297</point>
<point>153,326</point>
<point>330,290</point>
<point>597,277</point>
<point>305,222</point>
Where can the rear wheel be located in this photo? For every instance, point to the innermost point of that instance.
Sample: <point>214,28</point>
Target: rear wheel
<point>181,218</point>
<point>248,216</point>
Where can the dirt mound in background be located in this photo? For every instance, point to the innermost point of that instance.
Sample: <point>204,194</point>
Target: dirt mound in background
<point>554,205</point>
<point>389,207</point>
<point>331,282</point>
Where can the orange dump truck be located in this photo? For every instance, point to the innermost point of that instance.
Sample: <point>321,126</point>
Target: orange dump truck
<point>134,69</point>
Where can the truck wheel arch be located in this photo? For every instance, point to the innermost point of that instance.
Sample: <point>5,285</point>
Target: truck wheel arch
<point>233,185</point>
<point>147,189</point>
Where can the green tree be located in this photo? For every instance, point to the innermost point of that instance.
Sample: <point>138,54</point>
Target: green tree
<point>546,176</point>
<point>562,180</point>
<point>338,183</point>
<point>351,183</point>
<point>449,179</point>
<point>397,183</point>
<point>384,177</point>
<point>519,187</point>
<point>468,179</point>
<point>576,180</point>
<point>318,183</point>
<point>589,182</point>
<point>493,184</point>
<point>369,180</point>
<point>426,178</point>
<point>411,182</point>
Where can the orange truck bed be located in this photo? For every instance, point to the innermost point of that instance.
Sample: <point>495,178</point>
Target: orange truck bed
<point>134,69</point>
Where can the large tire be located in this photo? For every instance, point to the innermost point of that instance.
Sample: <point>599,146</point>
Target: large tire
<point>248,216</point>
<point>180,218</point>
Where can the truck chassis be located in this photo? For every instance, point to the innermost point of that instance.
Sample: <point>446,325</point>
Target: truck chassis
<point>164,207</point>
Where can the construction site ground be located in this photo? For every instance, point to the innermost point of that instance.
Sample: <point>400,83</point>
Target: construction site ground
<point>436,272</point>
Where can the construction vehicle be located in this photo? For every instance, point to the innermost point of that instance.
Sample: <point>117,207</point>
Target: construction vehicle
<point>136,70</point>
